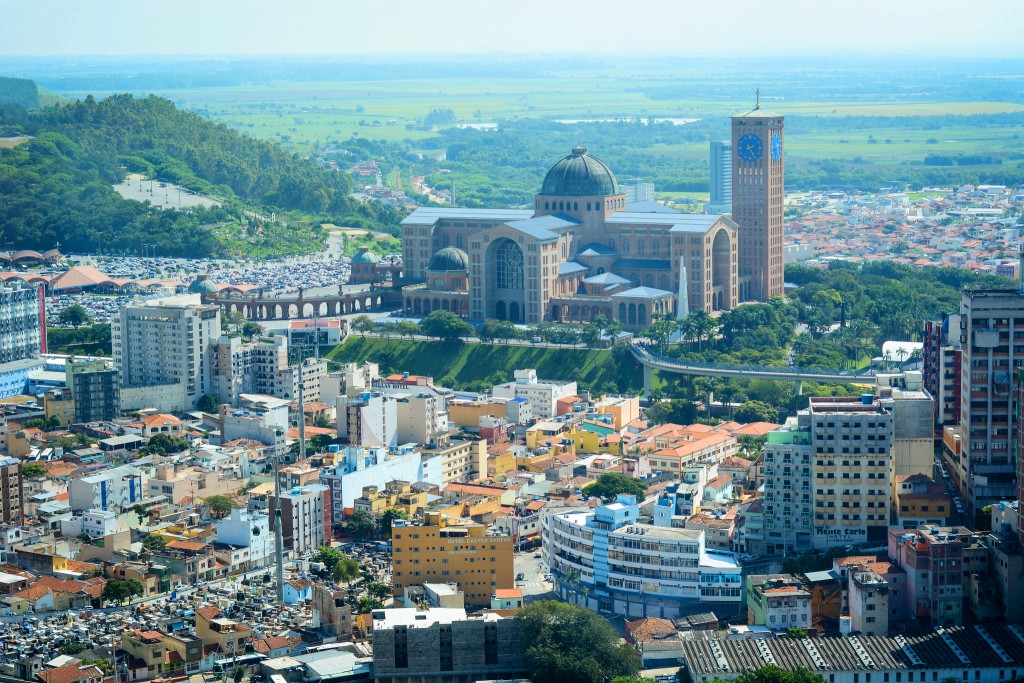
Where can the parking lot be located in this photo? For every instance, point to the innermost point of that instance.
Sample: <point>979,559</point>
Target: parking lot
<point>533,571</point>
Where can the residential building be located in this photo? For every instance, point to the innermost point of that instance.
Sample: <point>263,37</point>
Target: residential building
<point>12,493</point>
<point>215,629</point>
<point>941,368</point>
<point>444,644</point>
<point>21,309</point>
<point>305,518</point>
<point>605,560</point>
<point>912,408</point>
<point>95,388</point>
<point>721,177</point>
<point>332,615</point>
<point>162,351</point>
<point>438,551</point>
<point>368,419</point>
<point>110,489</point>
<point>361,467</point>
<point>933,560</point>
<point>180,484</point>
<point>542,395</point>
<point>258,418</point>
<point>868,601</point>
<point>463,459</point>
<point>991,330</point>
<point>918,501</point>
<point>637,191</point>
<point>244,529</point>
<point>777,601</point>
<point>147,647</point>
<point>788,519</point>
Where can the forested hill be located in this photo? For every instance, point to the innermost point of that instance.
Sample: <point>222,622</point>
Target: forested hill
<point>19,91</point>
<point>57,187</point>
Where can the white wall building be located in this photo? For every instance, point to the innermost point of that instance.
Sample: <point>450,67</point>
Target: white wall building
<point>368,419</point>
<point>542,395</point>
<point>165,343</point>
<point>118,487</point>
<point>250,530</point>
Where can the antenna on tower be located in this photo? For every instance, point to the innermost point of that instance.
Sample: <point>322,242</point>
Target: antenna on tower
<point>757,101</point>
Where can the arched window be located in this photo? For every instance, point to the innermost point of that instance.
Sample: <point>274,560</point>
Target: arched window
<point>575,206</point>
<point>641,315</point>
<point>632,314</point>
<point>458,241</point>
<point>639,247</point>
<point>588,206</point>
<point>622,312</point>
<point>546,207</point>
<point>655,247</point>
<point>509,266</point>
<point>444,238</point>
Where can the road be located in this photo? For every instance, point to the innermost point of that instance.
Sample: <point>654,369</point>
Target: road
<point>533,585</point>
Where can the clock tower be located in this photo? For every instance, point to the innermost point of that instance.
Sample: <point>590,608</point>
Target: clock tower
<point>757,201</point>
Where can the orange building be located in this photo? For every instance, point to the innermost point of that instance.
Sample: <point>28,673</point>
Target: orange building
<point>438,551</point>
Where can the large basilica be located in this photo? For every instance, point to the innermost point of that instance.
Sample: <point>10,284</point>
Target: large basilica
<point>581,251</point>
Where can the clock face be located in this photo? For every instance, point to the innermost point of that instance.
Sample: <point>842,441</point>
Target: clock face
<point>749,147</point>
<point>776,146</point>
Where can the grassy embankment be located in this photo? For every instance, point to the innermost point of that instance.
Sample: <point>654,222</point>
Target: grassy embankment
<point>477,366</point>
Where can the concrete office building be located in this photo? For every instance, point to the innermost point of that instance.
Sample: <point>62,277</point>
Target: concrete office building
<point>413,645</point>
<point>992,341</point>
<point>607,561</point>
<point>162,351</point>
<point>22,335</point>
<point>248,529</point>
<point>437,551</point>
<point>721,178</point>
<point>95,389</point>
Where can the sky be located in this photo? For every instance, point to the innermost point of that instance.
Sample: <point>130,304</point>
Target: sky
<point>460,27</point>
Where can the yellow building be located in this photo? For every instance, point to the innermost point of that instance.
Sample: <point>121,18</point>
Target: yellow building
<point>147,646</point>
<point>465,413</point>
<point>59,404</point>
<point>501,461</point>
<point>462,459</point>
<point>439,552</point>
<point>586,442</point>
<point>623,409</point>
<point>396,494</point>
<point>917,501</point>
<point>545,433</point>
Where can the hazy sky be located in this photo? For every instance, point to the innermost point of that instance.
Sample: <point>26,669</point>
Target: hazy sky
<point>391,27</point>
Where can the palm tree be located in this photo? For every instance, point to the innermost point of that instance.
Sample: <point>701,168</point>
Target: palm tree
<point>702,325</point>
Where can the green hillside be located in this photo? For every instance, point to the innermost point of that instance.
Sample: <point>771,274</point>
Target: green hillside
<point>19,91</point>
<point>58,186</point>
<point>476,367</point>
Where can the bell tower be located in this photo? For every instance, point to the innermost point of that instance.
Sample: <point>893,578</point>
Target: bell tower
<point>758,196</point>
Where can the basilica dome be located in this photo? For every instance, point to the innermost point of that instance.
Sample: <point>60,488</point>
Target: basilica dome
<point>579,175</point>
<point>202,285</point>
<point>449,259</point>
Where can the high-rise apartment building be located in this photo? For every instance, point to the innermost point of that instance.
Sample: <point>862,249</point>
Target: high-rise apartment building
<point>162,350</point>
<point>941,367</point>
<point>826,476</point>
<point>12,493</point>
<point>757,202</point>
<point>20,321</point>
<point>305,518</point>
<point>93,386</point>
<point>721,177</point>
<point>262,367</point>
<point>992,341</point>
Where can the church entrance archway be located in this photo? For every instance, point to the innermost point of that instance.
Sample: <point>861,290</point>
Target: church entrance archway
<point>721,270</point>
<point>499,311</point>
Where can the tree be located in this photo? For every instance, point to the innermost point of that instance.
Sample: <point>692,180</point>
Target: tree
<point>611,484</point>
<point>983,518</point>
<point>220,505</point>
<point>141,511</point>
<point>238,674</point>
<point>345,570</point>
<point>71,648</point>
<point>73,316</point>
<point>446,326</point>
<point>208,403</point>
<point>379,590</point>
<point>369,604</point>
<point>164,444</point>
<point>363,324</point>
<point>677,411</point>
<point>774,674</point>
<point>563,642</point>
<point>361,524</point>
<point>389,516</point>
<point>328,556</point>
<point>251,329</point>
<point>154,542</point>
<point>120,591</point>
<point>31,470</point>
<point>756,411</point>
<point>322,421</point>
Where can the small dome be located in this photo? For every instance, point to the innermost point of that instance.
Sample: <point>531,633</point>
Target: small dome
<point>202,285</point>
<point>579,175</point>
<point>365,256</point>
<point>449,259</point>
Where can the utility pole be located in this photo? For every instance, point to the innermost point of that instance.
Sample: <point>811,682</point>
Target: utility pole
<point>278,531</point>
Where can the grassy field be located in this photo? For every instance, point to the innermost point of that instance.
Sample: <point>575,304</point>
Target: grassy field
<point>471,365</point>
<point>301,114</point>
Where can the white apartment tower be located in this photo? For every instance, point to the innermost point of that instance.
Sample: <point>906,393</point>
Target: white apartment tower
<point>165,345</point>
